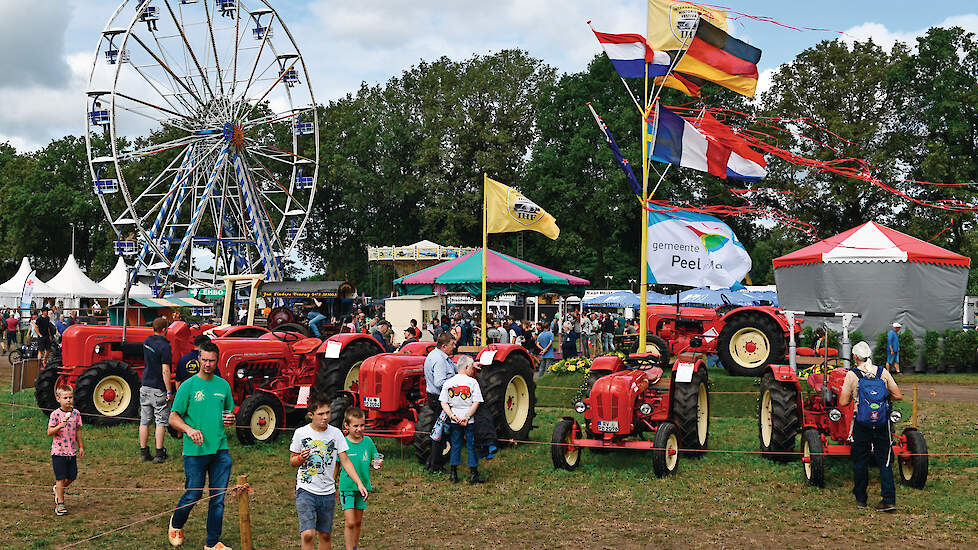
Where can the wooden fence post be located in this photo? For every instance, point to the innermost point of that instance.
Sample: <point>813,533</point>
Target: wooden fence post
<point>244,516</point>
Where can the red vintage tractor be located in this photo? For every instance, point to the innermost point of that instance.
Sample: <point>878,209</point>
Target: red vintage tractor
<point>785,410</point>
<point>279,384</point>
<point>746,338</point>
<point>630,406</point>
<point>391,388</point>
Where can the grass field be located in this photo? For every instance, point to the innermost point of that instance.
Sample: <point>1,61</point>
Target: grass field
<point>729,500</point>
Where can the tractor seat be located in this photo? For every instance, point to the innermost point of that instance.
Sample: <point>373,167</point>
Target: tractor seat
<point>306,345</point>
<point>654,375</point>
<point>815,380</point>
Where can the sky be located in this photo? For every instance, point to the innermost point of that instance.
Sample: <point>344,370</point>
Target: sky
<point>46,51</point>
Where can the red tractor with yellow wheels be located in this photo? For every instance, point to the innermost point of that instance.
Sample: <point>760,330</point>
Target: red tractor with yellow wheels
<point>631,406</point>
<point>787,409</point>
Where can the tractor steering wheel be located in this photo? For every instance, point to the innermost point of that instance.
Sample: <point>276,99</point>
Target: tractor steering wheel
<point>287,337</point>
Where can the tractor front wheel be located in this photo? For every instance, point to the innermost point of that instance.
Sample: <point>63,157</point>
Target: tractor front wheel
<point>44,386</point>
<point>777,420</point>
<point>913,470</point>
<point>564,456</point>
<point>691,413</point>
<point>422,436</point>
<point>813,457</point>
<point>749,342</point>
<point>108,393</point>
<point>665,450</point>
<point>259,419</point>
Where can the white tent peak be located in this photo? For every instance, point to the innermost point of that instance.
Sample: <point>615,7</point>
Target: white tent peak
<point>16,283</point>
<point>71,281</point>
<point>867,244</point>
<point>115,282</point>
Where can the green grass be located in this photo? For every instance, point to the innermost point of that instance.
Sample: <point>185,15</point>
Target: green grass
<point>611,501</point>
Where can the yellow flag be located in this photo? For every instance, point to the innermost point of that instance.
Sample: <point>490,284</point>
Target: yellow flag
<point>671,22</point>
<point>507,210</point>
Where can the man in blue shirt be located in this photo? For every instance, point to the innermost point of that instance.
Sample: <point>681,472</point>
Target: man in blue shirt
<point>438,368</point>
<point>156,392</point>
<point>379,333</point>
<point>893,348</point>
<point>545,340</point>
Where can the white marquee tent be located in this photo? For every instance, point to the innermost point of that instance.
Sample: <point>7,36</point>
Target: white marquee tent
<point>115,282</point>
<point>72,282</point>
<point>12,289</point>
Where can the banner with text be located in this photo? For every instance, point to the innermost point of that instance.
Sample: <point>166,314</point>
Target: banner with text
<point>687,248</point>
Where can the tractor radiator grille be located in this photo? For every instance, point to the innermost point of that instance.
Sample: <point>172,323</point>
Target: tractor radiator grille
<point>607,406</point>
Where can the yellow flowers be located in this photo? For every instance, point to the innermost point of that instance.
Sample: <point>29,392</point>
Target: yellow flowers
<point>571,365</point>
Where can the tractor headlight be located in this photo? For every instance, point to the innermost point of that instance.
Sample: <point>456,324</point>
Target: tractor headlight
<point>835,415</point>
<point>580,407</point>
<point>645,409</point>
<point>896,416</point>
<point>240,373</point>
<point>98,349</point>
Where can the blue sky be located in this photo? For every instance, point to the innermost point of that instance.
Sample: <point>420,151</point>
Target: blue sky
<point>47,50</point>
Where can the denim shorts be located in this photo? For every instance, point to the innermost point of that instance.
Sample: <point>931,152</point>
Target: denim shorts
<point>315,511</point>
<point>153,405</point>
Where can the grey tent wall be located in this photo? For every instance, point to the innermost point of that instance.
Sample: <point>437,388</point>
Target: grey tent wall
<point>920,296</point>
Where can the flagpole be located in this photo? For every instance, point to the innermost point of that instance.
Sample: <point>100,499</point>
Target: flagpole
<point>643,269</point>
<point>485,251</point>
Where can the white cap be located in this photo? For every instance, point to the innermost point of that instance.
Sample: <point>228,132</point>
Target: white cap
<point>861,350</point>
<point>897,325</point>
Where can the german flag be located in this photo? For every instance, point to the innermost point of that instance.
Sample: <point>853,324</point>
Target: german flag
<point>718,57</point>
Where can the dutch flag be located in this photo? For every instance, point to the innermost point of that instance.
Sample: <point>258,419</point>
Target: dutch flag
<point>629,53</point>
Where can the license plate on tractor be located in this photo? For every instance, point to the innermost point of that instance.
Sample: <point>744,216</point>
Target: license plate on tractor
<point>371,402</point>
<point>607,425</point>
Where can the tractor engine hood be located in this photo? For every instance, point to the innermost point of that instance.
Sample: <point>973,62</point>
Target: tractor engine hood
<point>385,381</point>
<point>611,405</point>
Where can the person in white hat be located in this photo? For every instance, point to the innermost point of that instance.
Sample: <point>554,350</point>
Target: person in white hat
<point>893,349</point>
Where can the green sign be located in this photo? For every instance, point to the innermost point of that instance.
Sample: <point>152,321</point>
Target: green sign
<point>206,292</point>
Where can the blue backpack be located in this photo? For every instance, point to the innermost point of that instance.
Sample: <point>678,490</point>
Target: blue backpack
<point>872,408</point>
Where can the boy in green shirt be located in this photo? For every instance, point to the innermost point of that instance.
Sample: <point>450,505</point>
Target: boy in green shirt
<point>363,453</point>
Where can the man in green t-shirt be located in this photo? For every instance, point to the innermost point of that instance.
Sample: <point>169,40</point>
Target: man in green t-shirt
<point>363,454</point>
<point>201,408</point>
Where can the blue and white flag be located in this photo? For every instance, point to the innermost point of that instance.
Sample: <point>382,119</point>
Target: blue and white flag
<point>622,161</point>
<point>692,249</point>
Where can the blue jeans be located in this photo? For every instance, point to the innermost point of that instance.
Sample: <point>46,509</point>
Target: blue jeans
<point>545,363</point>
<point>608,341</point>
<point>455,453</point>
<point>314,323</point>
<point>217,468</point>
<point>869,443</point>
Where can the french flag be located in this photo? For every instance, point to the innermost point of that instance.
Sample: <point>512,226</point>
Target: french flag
<point>679,142</point>
<point>629,53</point>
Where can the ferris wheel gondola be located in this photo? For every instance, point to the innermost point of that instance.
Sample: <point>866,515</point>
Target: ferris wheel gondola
<point>202,137</point>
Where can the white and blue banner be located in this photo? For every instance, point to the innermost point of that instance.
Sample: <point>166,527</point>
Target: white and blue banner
<point>692,249</point>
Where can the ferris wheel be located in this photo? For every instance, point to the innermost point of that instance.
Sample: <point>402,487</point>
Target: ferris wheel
<point>202,137</point>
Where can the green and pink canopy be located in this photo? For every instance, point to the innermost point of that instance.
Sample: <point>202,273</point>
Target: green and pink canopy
<point>503,274</point>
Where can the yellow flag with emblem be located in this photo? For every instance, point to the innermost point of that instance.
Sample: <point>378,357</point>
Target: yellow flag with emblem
<point>672,23</point>
<point>508,210</point>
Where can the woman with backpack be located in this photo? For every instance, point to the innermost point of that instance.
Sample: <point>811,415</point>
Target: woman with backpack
<point>871,388</point>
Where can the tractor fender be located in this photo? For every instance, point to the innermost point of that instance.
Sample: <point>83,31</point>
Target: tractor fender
<point>418,348</point>
<point>768,311</point>
<point>278,399</point>
<point>344,339</point>
<point>699,367</point>
<point>502,351</point>
<point>782,373</point>
<point>607,364</point>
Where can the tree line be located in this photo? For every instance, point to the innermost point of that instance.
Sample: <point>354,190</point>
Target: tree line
<point>403,161</point>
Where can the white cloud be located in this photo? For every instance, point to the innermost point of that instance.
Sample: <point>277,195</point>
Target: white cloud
<point>886,38</point>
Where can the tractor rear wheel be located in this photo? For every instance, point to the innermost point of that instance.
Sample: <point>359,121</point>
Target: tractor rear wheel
<point>560,452</point>
<point>777,419</point>
<point>749,342</point>
<point>655,344</point>
<point>44,386</point>
<point>108,393</point>
<point>665,450</point>
<point>294,327</point>
<point>691,413</point>
<point>339,373</point>
<point>259,419</point>
<point>510,394</point>
<point>422,436</point>
<point>813,457</point>
<point>337,410</point>
<point>913,471</point>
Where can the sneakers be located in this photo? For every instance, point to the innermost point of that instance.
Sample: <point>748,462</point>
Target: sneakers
<point>144,454</point>
<point>218,546</point>
<point>175,536</point>
<point>60,509</point>
<point>885,507</point>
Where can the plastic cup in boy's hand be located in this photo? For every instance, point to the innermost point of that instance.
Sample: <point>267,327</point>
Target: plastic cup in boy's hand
<point>377,461</point>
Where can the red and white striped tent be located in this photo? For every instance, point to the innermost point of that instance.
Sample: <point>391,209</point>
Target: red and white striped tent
<point>881,273</point>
